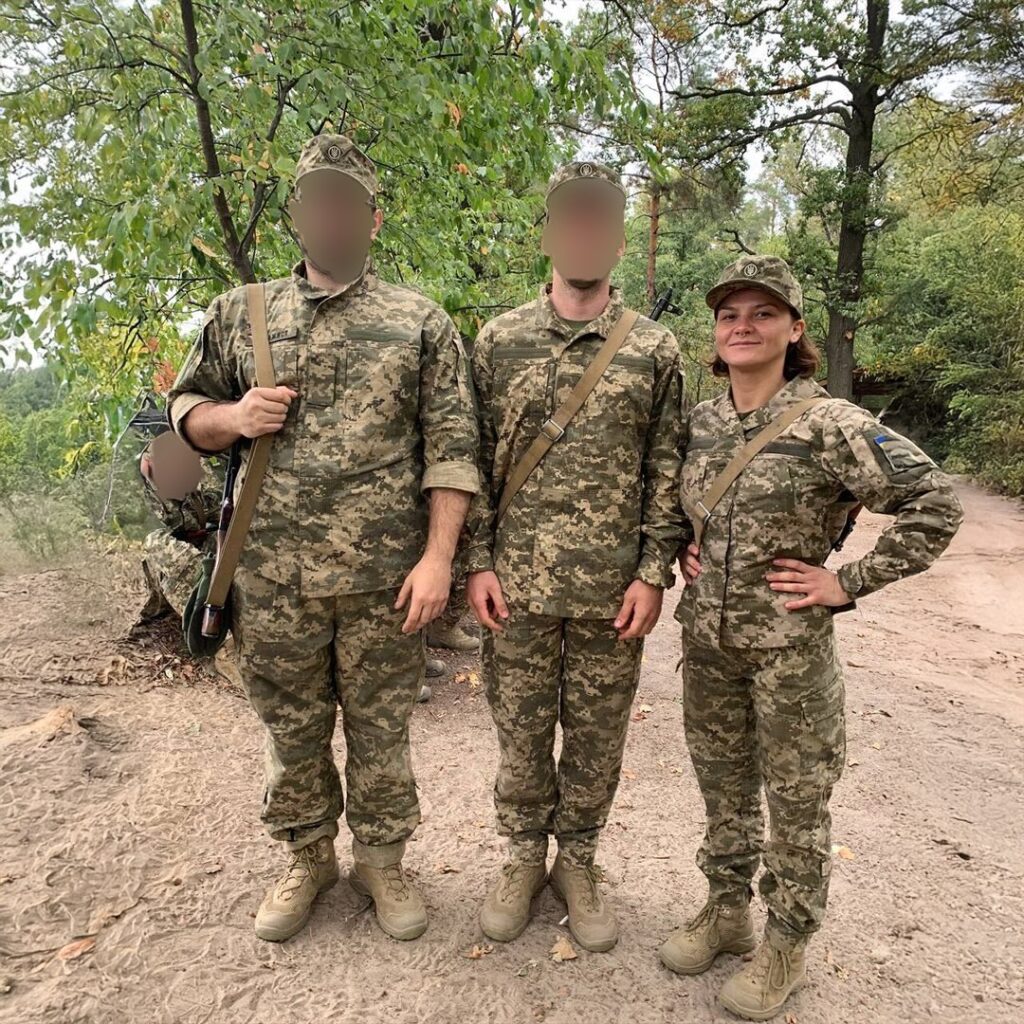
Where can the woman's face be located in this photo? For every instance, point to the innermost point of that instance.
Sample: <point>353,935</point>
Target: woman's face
<point>753,330</point>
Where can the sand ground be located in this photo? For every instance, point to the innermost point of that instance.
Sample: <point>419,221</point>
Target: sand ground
<point>132,859</point>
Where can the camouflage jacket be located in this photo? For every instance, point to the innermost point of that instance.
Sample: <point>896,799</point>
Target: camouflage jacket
<point>385,412</point>
<point>602,508</point>
<point>791,502</point>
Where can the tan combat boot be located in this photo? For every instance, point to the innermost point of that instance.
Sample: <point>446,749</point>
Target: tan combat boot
<point>286,908</point>
<point>452,638</point>
<point>506,911</point>
<point>591,922</point>
<point>718,928</point>
<point>759,990</point>
<point>377,873</point>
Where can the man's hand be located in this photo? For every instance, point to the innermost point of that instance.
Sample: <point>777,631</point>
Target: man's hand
<point>641,606</point>
<point>483,591</point>
<point>426,589</point>
<point>817,584</point>
<point>689,563</point>
<point>262,410</point>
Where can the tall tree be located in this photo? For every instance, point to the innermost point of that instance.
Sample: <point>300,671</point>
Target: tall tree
<point>147,149</point>
<point>841,65</point>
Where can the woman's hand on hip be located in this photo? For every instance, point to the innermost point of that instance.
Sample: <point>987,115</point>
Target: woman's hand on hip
<point>815,583</point>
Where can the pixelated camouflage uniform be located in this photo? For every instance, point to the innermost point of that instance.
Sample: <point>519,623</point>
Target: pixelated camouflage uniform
<point>599,512</point>
<point>384,414</point>
<point>763,690</point>
<point>172,555</point>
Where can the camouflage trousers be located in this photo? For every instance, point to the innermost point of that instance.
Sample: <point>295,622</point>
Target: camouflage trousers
<point>299,658</point>
<point>771,718</point>
<point>539,672</point>
<point>171,567</point>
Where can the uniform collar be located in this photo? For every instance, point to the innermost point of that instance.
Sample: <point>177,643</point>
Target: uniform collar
<point>548,319</point>
<point>793,391</point>
<point>365,282</point>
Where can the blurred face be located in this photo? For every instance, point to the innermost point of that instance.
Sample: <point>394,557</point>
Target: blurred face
<point>753,330</point>
<point>335,220</point>
<point>584,234</point>
<point>171,466</point>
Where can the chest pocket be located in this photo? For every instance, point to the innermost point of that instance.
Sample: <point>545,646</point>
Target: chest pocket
<point>623,395</point>
<point>523,378</point>
<point>699,469</point>
<point>779,479</point>
<point>377,385</point>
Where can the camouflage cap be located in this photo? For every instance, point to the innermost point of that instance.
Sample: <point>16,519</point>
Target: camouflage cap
<point>769,273</point>
<point>584,170</point>
<point>337,153</point>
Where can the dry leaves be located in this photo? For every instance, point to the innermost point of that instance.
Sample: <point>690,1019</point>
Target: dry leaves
<point>478,952</point>
<point>453,112</point>
<point>562,950</point>
<point>842,852</point>
<point>642,712</point>
<point>73,950</point>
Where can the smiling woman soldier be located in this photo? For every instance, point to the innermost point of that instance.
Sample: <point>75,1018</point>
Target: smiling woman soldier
<point>773,467</point>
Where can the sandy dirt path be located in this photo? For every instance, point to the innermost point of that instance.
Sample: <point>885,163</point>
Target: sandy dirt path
<point>132,859</point>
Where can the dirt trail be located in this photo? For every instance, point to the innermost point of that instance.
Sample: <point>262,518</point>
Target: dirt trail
<point>130,786</point>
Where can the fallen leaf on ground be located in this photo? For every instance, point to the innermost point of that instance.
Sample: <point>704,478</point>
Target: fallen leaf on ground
<point>843,852</point>
<point>477,952</point>
<point>73,950</point>
<point>562,950</point>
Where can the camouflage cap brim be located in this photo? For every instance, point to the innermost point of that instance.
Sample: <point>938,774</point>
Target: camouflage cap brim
<point>721,292</point>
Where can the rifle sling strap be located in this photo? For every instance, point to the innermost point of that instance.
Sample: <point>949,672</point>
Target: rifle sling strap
<point>554,428</point>
<point>700,513</point>
<point>259,455</point>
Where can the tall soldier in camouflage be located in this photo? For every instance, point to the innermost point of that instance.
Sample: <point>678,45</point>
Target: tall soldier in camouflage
<point>763,691</point>
<point>349,553</point>
<point>172,555</point>
<point>571,580</point>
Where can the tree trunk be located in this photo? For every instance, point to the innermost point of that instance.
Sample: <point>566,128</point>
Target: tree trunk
<point>843,297</point>
<point>236,251</point>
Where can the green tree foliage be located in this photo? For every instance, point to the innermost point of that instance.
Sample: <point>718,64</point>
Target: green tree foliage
<point>149,149</point>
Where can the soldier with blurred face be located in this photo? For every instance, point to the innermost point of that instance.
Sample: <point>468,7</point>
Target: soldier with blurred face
<point>349,554</point>
<point>569,580</point>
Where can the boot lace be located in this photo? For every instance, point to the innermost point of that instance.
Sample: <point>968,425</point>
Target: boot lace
<point>770,966</point>
<point>394,876</point>
<point>301,868</point>
<point>708,917</point>
<point>588,876</point>
<point>512,883</point>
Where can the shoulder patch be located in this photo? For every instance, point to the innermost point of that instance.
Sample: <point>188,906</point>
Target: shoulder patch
<point>896,455</point>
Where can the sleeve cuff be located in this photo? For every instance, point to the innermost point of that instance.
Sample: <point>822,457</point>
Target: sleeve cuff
<point>479,559</point>
<point>179,409</point>
<point>456,476</point>
<point>651,571</point>
<point>850,580</point>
